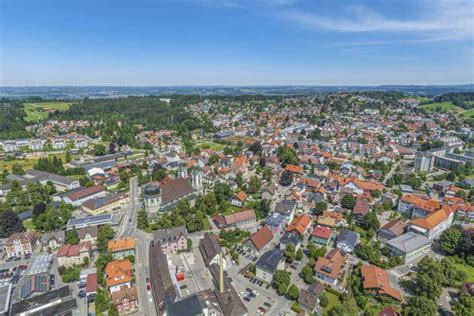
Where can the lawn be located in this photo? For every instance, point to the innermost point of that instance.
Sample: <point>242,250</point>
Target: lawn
<point>211,145</point>
<point>25,163</point>
<point>39,111</point>
<point>469,270</point>
<point>333,300</point>
<point>441,107</point>
<point>468,113</point>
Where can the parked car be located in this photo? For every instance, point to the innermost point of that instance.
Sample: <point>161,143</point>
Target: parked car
<point>81,293</point>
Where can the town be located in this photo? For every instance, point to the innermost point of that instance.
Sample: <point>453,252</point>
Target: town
<point>334,203</point>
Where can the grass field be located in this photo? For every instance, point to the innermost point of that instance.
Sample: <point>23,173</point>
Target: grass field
<point>211,145</point>
<point>25,163</point>
<point>467,269</point>
<point>468,113</point>
<point>39,111</point>
<point>441,107</point>
<point>333,300</point>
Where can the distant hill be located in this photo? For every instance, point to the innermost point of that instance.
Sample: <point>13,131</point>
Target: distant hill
<point>79,92</point>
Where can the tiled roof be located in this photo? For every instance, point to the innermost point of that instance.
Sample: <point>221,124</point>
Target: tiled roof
<point>80,193</point>
<point>361,207</point>
<point>239,217</point>
<point>429,205</point>
<point>294,169</point>
<point>331,264</point>
<point>175,189</point>
<point>321,232</point>
<point>121,244</point>
<point>241,196</point>
<point>118,272</point>
<point>377,279</point>
<point>432,220</point>
<point>261,238</point>
<point>300,224</point>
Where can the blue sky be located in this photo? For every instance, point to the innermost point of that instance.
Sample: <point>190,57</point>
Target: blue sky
<point>236,42</point>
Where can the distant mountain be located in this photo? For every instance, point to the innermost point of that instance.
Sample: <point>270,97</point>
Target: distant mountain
<point>79,92</point>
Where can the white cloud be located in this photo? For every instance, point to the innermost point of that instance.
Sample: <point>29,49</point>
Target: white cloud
<point>439,20</point>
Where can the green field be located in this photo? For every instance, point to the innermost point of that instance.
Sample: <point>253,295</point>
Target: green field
<point>440,107</point>
<point>39,111</point>
<point>25,163</point>
<point>468,113</point>
<point>333,300</point>
<point>467,269</point>
<point>211,145</point>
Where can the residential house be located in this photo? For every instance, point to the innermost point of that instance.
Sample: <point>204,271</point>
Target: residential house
<point>361,208</point>
<point>119,274</point>
<point>53,240</point>
<point>21,244</point>
<point>69,255</point>
<point>61,183</point>
<point>389,311</point>
<point>172,239</point>
<point>376,282</point>
<point>259,240</point>
<point>286,208</point>
<point>292,237</point>
<point>321,235</point>
<point>88,233</point>
<point>121,248</point>
<point>239,199</point>
<point>210,249</point>
<point>409,246</point>
<point>392,229</point>
<point>347,240</point>
<point>268,263</point>
<point>59,143</point>
<point>275,222</point>
<point>309,298</point>
<point>300,224</point>
<point>327,221</point>
<point>126,299</point>
<point>330,267</point>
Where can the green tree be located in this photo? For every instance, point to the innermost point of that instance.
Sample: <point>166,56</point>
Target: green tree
<point>99,150</point>
<point>287,156</point>
<point>464,306</point>
<point>72,236</point>
<point>9,224</point>
<point>293,292</point>
<point>289,252</point>
<point>348,201</point>
<point>102,300</point>
<point>18,169</point>
<point>299,255</point>
<point>449,240</point>
<point>281,279</point>
<point>320,207</point>
<point>371,222</point>
<point>323,300</point>
<point>420,306</point>
<point>255,184</point>
<point>113,310</point>
<point>106,233</point>
<point>142,219</point>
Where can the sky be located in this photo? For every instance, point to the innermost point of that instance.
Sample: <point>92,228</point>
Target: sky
<point>236,42</point>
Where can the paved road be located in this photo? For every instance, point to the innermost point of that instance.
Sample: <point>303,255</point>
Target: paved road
<point>128,228</point>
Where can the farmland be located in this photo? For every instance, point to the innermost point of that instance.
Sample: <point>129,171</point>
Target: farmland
<point>440,107</point>
<point>39,111</point>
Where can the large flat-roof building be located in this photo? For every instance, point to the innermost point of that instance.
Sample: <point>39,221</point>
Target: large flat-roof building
<point>409,246</point>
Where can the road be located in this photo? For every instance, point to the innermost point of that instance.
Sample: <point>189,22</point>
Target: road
<point>128,228</point>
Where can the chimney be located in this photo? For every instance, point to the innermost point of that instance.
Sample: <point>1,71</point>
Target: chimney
<point>221,273</point>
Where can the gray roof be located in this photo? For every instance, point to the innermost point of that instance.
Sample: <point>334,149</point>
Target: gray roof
<point>409,242</point>
<point>187,306</point>
<point>269,260</point>
<point>5,294</point>
<point>47,176</point>
<point>58,235</point>
<point>209,247</point>
<point>285,207</point>
<point>349,237</point>
<point>169,234</point>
